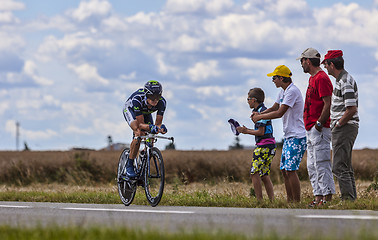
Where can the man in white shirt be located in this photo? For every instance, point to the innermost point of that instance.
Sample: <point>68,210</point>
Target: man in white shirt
<point>288,106</point>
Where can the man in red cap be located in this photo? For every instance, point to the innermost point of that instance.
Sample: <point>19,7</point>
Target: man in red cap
<point>316,118</point>
<point>344,122</point>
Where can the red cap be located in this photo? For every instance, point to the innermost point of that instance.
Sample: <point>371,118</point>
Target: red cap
<point>332,54</point>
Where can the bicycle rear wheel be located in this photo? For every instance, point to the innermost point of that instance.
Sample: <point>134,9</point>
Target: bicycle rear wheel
<point>154,177</point>
<point>126,188</point>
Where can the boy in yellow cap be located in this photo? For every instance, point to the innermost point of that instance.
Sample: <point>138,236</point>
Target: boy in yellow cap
<point>288,106</point>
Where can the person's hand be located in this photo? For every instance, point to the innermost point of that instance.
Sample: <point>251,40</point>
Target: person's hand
<point>242,129</point>
<point>163,129</point>
<point>318,128</point>
<point>256,117</point>
<point>154,129</point>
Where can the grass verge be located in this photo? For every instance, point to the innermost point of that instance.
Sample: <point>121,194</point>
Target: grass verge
<point>97,233</point>
<point>220,195</point>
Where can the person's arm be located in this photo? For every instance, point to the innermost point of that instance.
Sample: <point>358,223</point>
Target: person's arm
<point>159,123</point>
<point>325,112</point>
<point>141,124</point>
<point>271,115</point>
<point>259,132</point>
<point>349,113</point>
<point>159,120</point>
<point>275,107</point>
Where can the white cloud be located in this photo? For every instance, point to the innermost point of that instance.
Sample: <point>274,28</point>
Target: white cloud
<point>77,130</point>
<point>78,110</point>
<point>10,41</point>
<point>38,135</point>
<point>90,8</point>
<point>54,23</point>
<point>163,67</point>
<point>212,91</point>
<point>348,24</point>
<point>88,73</point>
<point>10,126</point>
<point>188,6</point>
<point>184,43</point>
<point>142,18</point>
<point>114,24</point>
<point>72,44</point>
<point>128,76</point>
<point>3,107</point>
<point>7,17</point>
<point>30,69</point>
<point>246,32</point>
<point>10,5</point>
<point>204,70</point>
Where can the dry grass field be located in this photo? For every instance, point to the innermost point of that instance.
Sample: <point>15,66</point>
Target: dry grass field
<point>211,177</point>
<point>184,167</point>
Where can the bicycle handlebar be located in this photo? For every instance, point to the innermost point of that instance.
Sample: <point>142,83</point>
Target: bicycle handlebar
<point>150,135</point>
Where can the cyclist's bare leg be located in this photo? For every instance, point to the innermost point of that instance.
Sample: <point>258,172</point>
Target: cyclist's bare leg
<point>134,148</point>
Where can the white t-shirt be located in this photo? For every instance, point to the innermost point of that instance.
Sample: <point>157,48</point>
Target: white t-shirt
<point>292,120</point>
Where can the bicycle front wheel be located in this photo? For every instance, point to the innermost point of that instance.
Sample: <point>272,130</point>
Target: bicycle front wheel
<point>126,188</point>
<point>154,177</point>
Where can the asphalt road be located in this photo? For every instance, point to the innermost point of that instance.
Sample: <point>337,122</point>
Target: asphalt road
<point>248,221</point>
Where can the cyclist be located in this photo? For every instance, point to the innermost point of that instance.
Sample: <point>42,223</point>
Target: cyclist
<point>137,112</point>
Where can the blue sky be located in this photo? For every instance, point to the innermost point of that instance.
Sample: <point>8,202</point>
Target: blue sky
<point>66,67</point>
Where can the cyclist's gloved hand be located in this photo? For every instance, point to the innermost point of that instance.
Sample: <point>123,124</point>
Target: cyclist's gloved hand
<point>154,129</point>
<point>163,129</point>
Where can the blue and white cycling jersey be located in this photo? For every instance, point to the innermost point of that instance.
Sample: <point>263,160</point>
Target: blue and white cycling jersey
<point>137,104</point>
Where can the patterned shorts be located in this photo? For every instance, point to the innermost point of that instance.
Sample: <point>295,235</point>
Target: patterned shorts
<point>262,159</point>
<point>292,153</point>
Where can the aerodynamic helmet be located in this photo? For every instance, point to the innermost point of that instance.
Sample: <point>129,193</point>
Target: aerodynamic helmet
<point>153,89</point>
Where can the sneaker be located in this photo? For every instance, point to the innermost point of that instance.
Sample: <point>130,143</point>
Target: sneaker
<point>322,203</point>
<point>313,203</point>
<point>130,168</point>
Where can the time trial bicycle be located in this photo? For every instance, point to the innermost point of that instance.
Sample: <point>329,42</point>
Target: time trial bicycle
<point>148,166</point>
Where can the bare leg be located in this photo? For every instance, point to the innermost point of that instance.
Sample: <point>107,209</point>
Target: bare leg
<point>289,193</point>
<point>328,197</point>
<point>295,185</point>
<point>318,198</point>
<point>134,148</point>
<point>135,144</point>
<point>256,181</point>
<point>268,186</point>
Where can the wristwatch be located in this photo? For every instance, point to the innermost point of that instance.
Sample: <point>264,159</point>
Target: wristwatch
<point>319,124</point>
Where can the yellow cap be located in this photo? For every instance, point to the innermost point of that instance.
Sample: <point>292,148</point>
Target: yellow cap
<point>281,70</point>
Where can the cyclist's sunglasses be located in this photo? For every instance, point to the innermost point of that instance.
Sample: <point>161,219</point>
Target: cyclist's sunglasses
<point>154,97</point>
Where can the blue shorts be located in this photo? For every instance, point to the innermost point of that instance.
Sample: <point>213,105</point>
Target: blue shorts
<point>292,153</point>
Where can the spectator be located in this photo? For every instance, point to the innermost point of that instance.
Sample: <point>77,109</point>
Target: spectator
<point>289,105</point>
<point>265,146</point>
<point>316,118</point>
<point>344,122</point>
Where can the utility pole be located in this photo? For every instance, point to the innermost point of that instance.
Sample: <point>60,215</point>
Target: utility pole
<point>17,134</point>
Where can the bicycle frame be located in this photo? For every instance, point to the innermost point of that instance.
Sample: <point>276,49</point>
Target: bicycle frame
<point>148,166</point>
<point>148,144</point>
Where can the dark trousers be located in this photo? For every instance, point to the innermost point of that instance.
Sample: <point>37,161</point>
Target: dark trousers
<point>343,139</point>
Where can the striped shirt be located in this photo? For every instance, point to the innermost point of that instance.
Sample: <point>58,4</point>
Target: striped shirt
<point>345,94</point>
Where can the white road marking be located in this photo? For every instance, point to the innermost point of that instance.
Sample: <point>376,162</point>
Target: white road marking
<point>128,210</point>
<point>14,206</point>
<point>359,217</point>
